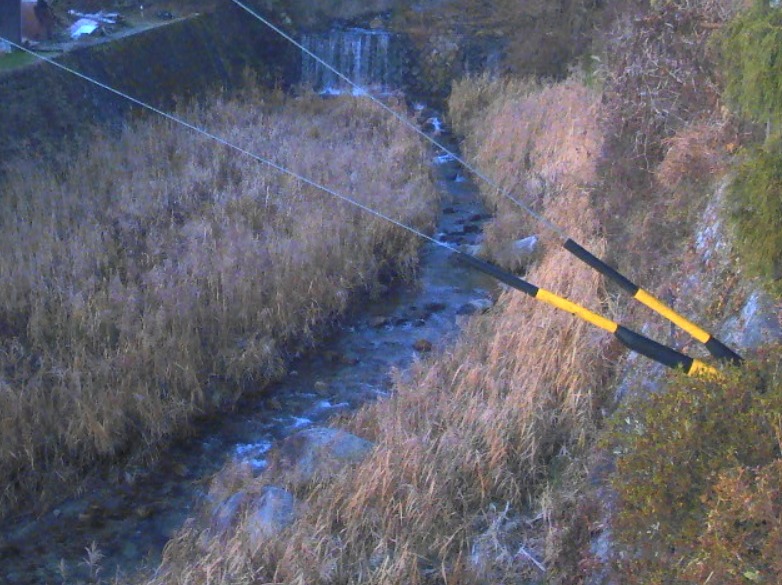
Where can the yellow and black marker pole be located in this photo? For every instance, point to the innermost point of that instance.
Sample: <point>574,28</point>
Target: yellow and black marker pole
<point>716,348</point>
<point>632,340</point>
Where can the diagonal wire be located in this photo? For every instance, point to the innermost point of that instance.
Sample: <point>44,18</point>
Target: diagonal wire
<point>474,170</point>
<point>233,146</point>
<point>714,345</point>
<point>629,338</point>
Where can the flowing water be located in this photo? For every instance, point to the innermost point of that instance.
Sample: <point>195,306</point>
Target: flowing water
<point>122,523</point>
<point>370,58</point>
<point>130,519</point>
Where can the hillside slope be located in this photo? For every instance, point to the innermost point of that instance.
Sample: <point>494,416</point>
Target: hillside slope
<point>536,449</point>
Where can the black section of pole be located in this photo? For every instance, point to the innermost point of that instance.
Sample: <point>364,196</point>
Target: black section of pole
<point>653,350</point>
<point>716,348</point>
<point>498,273</point>
<point>588,258</point>
<point>722,352</point>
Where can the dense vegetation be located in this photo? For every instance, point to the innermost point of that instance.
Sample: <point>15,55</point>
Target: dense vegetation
<point>467,446</point>
<point>752,63</point>
<point>488,447</point>
<point>159,278</point>
<point>697,477</point>
<point>756,213</point>
<point>752,57</point>
<point>495,452</point>
<point>697,460</point>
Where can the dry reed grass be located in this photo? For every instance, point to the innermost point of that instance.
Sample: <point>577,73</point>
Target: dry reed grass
<point>468,446</point>
<point>472,432</point>
<point>159,276</point>
<point>537,141</point>
<point>661,86</point>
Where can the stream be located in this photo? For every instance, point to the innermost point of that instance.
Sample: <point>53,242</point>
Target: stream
<point>122,526</point>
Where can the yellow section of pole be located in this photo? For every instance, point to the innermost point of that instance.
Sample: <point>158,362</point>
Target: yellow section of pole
<point>659,307</point>
<point>577,310</point>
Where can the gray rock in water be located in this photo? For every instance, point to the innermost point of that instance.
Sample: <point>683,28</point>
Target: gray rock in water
<point>271,513</point>
<point>318,453</point>
<point>423,346</point>
<point>527,246</point>
<point>435,307</point>
<point>379,321</point>
<point>475,306</point>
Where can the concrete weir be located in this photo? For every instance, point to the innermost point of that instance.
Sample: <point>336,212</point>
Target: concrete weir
<point>44,109</point>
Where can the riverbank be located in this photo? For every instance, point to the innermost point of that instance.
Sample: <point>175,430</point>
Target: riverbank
<point>490,461</point>
<point>130,517</point>
<point>535,449</point>
<point>160,280</point>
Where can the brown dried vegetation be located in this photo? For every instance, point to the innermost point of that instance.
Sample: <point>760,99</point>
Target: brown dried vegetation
<point>666,138</point>
<point>160,276</point>
<point>538,142</point>
<point>471,442</point>
<point>472,433</point>
<point>480,450</point>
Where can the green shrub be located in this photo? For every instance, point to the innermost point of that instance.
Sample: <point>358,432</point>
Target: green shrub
<point>755,210</point>
<point>744,528</point>
<point>751,47</point>
<point>676,452</point>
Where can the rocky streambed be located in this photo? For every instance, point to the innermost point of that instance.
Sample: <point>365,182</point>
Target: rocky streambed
<point>122,523</point>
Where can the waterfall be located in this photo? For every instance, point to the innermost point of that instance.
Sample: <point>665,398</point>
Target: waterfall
<point>367,57</point>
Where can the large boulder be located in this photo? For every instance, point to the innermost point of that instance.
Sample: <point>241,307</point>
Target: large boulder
<point>317,453</point>
<point>266,514</point>
<point>225,515</point>
<point>270,513</point>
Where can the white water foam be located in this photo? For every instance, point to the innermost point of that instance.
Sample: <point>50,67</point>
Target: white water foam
<point>299,422</point>
<point>442,159</point>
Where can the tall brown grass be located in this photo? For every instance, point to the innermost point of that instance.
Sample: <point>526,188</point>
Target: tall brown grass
<point>538,141</point>
<point>477,432</point>
<point>469,445</point>
<point>159,275</point>
<point>661,95</point>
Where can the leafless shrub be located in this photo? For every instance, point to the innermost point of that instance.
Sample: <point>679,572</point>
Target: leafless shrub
<point>697,153</point>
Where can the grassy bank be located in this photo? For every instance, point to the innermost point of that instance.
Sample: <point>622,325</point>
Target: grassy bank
<point>157,276</point>
<point>487,467</point>
<point>471,446</point>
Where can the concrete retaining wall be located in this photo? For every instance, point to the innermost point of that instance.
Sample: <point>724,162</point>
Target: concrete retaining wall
<point>44,110</point>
